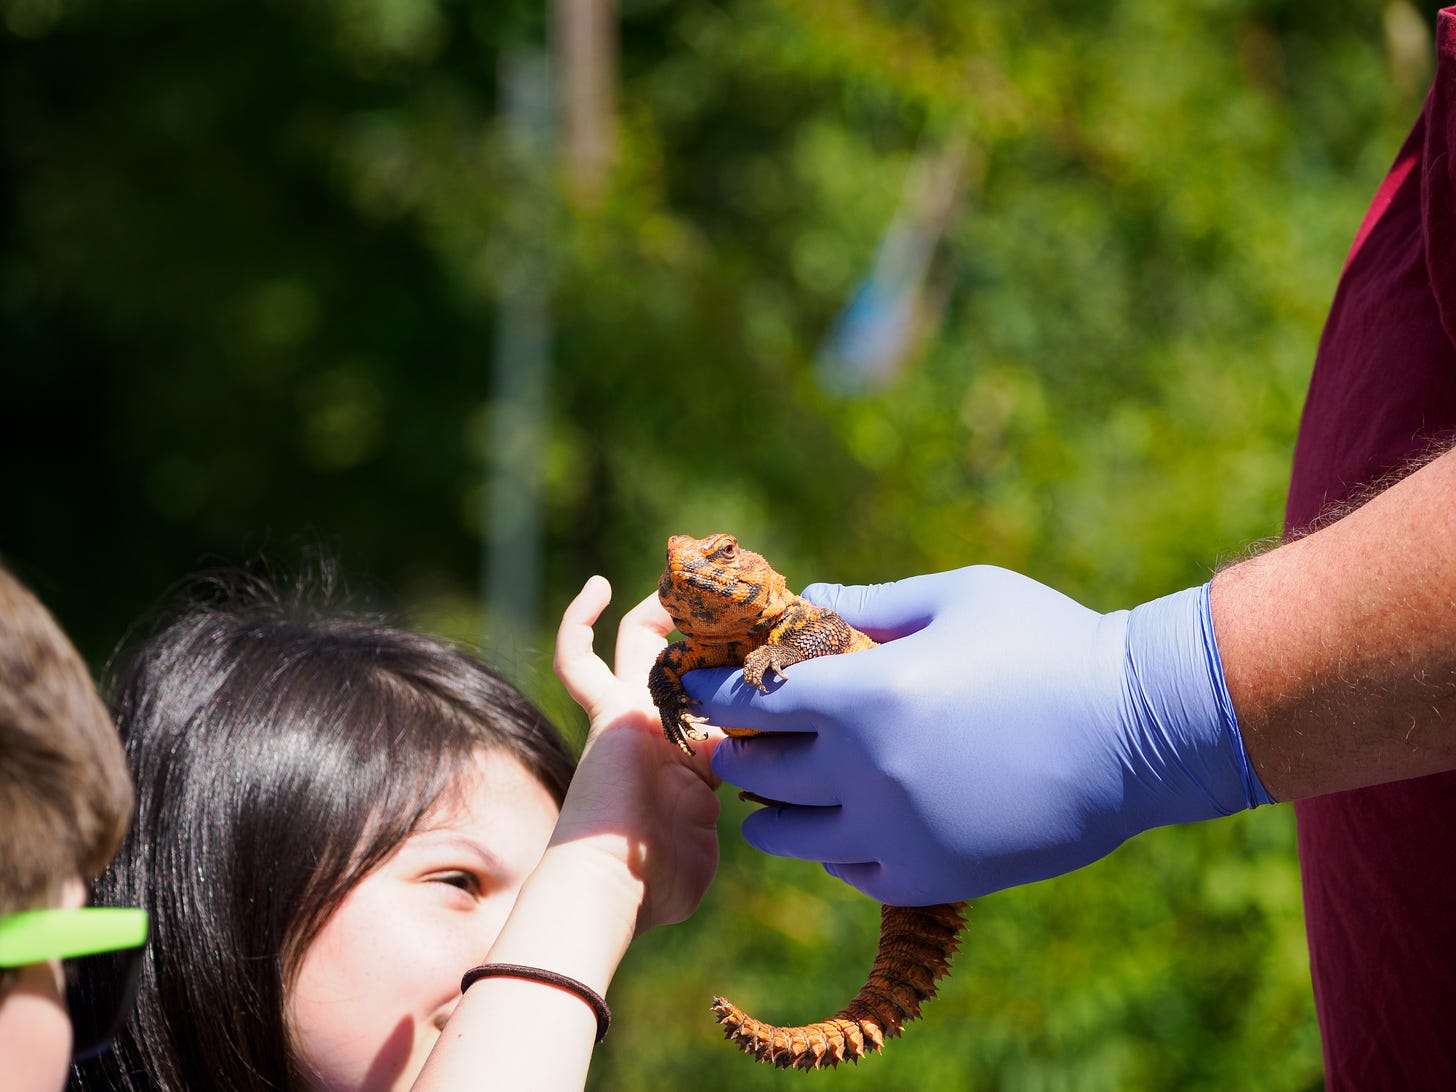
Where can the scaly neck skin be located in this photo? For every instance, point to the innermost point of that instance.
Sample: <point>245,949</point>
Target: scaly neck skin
<point>778,600</point>
<point>1339,648</point>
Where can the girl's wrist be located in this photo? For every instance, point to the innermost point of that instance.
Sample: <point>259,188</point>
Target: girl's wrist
<point>576,914</point>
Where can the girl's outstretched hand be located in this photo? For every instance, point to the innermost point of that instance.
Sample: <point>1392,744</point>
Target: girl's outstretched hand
<point>635,845</point>
<point>635,797</point>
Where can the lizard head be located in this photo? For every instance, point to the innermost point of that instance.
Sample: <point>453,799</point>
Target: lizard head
<point>713,586</point>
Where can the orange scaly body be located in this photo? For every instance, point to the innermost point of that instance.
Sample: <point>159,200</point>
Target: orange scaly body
<point>733,609</point>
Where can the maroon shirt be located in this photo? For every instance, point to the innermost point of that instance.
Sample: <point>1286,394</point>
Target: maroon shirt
<point>1379,864</point>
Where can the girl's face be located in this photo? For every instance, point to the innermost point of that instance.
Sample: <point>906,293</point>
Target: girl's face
<point>377,985</point>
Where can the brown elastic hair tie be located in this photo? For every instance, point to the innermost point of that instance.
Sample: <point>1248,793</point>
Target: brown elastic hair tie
<point>596,1001</point>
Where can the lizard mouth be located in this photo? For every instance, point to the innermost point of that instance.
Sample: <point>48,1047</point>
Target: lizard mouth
<point>696,578</point>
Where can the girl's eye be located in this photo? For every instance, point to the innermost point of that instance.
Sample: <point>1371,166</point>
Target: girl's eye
<point>465,881</point>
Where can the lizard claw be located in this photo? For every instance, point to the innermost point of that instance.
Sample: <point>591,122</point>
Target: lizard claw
<point>683,728</point>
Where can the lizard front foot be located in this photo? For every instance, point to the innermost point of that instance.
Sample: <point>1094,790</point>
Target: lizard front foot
<point>769,658</point>
<point>680,726</point>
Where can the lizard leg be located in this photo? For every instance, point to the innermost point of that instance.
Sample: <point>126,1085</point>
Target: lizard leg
<point>672,701</point>
<point>766,658</point>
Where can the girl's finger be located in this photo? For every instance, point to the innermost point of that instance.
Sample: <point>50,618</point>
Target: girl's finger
<point>640,637</point>
<point>586,678</point>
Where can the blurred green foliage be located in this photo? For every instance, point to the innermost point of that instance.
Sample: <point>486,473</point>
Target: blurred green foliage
<point>250,258</point>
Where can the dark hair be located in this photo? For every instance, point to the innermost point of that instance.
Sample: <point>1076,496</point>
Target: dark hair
<point>65,797</point>
<point>282,750</point>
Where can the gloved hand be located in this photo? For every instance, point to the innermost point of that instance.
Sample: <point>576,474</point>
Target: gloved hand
<point>1003,734</point>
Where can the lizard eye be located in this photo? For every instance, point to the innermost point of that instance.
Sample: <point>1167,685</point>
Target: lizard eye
<point>728,550</point>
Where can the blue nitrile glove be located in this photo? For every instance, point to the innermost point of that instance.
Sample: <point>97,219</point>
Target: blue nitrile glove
<point>1004,734</point>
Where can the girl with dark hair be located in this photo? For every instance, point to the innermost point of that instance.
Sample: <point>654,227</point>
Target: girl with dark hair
<point>338,819</point>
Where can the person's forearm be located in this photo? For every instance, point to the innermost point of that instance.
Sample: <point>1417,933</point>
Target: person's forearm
<point>576,915</point>
<point>1339,648</point>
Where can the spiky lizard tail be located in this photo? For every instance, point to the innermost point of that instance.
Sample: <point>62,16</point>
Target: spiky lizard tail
<point>916,944</point>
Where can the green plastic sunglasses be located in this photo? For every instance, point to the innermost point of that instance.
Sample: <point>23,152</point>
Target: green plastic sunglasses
<point>100,949</point>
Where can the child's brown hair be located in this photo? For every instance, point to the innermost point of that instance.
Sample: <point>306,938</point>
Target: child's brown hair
<point>65,795</point>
